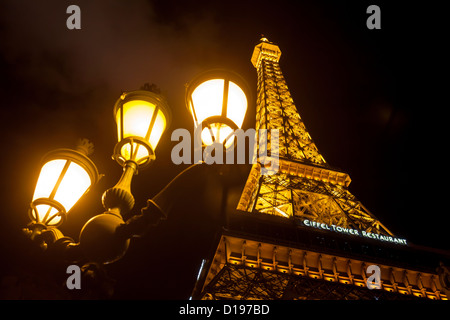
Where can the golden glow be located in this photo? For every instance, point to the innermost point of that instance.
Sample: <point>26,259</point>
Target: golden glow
<point>129,149</point>
<point>237,104</point>
<point>75,183</point>
<point>219,131</point>
<point>158,129</point>
<point>284,214</point>
<point>208,101</point>
<point>137,122</point>
<point>60,181</point>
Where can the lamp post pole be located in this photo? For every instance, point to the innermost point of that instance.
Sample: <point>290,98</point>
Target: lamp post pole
<point>119,200</point>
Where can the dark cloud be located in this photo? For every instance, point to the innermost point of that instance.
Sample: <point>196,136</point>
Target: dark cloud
<point>120,44</point>
<point>62,83</point>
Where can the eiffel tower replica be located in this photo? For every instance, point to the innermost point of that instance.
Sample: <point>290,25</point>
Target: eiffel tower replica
<point>298,233</point>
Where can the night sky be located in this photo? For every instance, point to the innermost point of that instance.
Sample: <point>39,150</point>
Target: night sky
<point>372,100</point>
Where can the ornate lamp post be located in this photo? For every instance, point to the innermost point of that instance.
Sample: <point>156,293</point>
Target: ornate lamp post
<point>217,102</point>
<point>142,117</point>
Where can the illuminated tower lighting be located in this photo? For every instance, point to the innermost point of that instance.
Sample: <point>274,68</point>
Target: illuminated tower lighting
<point>299,233</point>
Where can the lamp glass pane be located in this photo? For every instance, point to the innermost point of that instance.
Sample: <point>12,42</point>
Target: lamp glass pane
<point>139,151</point>
<point>237,104</point>
<point>158,129</point>
<point>137,115</point>
<point>42,211</point>
<point>48,177</point>
<point>208,99</point>
<point>75,183</point>
<point>220,133</point>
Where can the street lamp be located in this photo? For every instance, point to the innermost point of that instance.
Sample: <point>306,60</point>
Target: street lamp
<point>66,175</point>
<point>141,117</point>
<point>217,102</point>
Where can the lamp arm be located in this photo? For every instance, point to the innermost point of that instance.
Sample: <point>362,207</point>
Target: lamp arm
<point>182,179</point>
<point>192,187</point>
<point>55,243</point>
<point>138,225</point>
<point>42,235</point>
<point>157,208</point>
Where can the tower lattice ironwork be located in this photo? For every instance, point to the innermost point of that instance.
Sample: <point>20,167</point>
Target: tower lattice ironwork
<point>299,233</point>
<point>305,187</point>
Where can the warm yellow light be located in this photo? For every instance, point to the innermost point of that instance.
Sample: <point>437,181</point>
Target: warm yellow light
<point>237,104</point>
<point>63,180</point>
<point>137,116</point>
<point>217,104</point>
<point>219,131</point>
<point>48,177</point>
<point>75,183</point>
<point>158,129</point>
<point>141,120</point>
<point>207,99</point>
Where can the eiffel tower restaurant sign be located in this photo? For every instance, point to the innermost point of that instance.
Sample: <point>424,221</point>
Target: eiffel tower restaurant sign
<point>353,232</point>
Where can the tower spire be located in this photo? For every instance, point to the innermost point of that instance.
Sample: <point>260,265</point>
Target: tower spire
<point>276,108</point>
